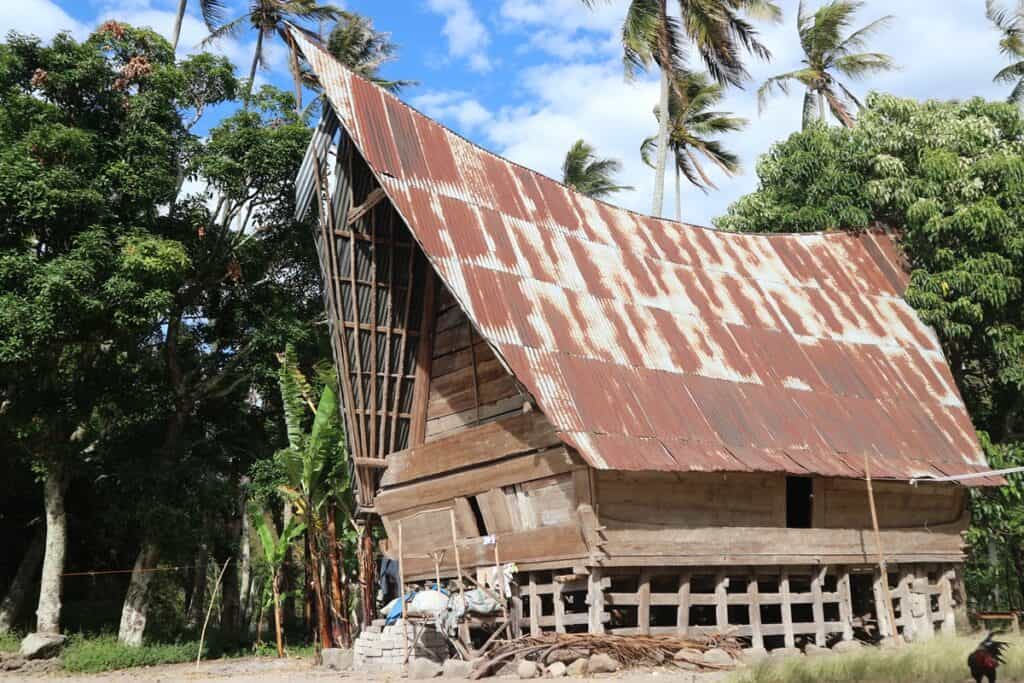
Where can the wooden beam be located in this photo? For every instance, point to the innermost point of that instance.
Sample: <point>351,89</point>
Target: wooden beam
<point>845,602</point>
<point>643,608</point>
<point>535,606</point>
<point>508,436</point>
<point>424,361</point>
<point>787,611</point>
<point>683,608</point>
<point>818,606</point>
<point>559,605</point>
<point>721,600</point>
<point>595,602</point>
<point>754,614</point>
<point>373,199</point>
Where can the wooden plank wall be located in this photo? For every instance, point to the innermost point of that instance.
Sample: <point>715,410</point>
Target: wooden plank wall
<point>468,384</point>
<point>716,519</point>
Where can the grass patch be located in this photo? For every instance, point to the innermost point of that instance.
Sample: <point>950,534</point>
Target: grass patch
<point>104,653</point>
<point>943,660</point>
<point>10,641</point>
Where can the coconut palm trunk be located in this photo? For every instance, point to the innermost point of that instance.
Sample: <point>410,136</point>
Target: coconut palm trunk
<point>257,53</point>
<point>176,31</point>
<point>662,155</point>
<point>48,611</point>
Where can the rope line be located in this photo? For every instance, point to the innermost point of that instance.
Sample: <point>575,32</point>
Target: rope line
<point>97,572</point>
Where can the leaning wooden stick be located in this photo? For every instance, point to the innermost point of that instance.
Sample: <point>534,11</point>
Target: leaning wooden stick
<point>209,610</point>
<point>401,596</point>
<point>882,568</point>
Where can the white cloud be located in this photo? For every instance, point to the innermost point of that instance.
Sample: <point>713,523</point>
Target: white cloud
<point>41,18</point>
<point>467,36</point>
<point>459,108</point>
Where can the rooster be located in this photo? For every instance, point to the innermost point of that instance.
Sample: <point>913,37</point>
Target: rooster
<point>986,658</point>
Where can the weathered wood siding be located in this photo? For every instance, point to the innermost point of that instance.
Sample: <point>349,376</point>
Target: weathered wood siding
<point>468,384</point>
<point>713,519</point>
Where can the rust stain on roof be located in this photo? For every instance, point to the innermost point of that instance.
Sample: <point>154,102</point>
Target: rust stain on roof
<point>655,345</point>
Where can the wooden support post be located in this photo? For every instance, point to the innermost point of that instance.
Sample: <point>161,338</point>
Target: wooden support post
<point>643,603</point>
<point>885,626</point>
<point>946,602</point>
<point>818,607</point>
<point>721,600</point>
<point>458,561</point>
<point>595,602</point>
<point>501,583</point>
<point>424,362</point>
<point>787,609</point>
<point>517,612</point>
<point>754,596</point>
<point>683,610</point>
<point>534,606</point>
<point>556,595</point>
<point>845,602</point>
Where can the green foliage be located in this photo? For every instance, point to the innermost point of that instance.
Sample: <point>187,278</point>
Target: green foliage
<point>104,653</point>
<point>943,660</point>
<point>10,641</point>
<point>585,172</point>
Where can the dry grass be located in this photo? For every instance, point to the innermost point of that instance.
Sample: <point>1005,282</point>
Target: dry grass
<point>943,660</point>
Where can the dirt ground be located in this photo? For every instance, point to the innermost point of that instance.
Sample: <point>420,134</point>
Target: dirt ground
<point>264,670</point>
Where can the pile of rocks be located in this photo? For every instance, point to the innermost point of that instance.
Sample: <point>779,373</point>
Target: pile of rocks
<point>381,648</point>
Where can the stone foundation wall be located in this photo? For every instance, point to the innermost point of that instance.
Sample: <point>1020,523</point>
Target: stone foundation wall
<point>380,647</point>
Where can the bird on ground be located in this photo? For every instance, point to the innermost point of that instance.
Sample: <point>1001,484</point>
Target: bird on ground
<point>986,658</point>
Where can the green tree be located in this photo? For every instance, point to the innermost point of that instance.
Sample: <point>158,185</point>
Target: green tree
<point>275,549</point>
<point>358,46</point>
<point>692,125</point>
<point>87,141</point>
<point>827,52</point>
<point>269,18</point>
<point>718,30</point>
<point>316,469</point>
<point>1011,44</point>
<point>585,172</point>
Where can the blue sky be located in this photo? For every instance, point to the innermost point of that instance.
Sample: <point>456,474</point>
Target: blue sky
<point>526,78</point>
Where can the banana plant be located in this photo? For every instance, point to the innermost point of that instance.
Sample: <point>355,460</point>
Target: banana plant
<point>275,548</point>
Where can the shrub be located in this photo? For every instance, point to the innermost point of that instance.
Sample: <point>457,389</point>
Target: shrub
<point>10,641</point>
<point>105,653</point>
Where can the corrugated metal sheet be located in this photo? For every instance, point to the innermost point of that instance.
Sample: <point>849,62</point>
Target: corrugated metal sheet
<point>653,345</point>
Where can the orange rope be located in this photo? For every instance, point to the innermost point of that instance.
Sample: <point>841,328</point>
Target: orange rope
<point>97,572</point>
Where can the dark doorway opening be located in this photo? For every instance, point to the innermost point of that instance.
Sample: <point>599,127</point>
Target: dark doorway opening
<point>799,493</point>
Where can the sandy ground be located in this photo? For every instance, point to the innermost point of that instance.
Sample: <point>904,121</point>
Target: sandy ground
<point>267,670</point>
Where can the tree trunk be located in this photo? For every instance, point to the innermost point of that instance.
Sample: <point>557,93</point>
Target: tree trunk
<point>679,196</point>
<point>659,164</point>
<point>367,580</point>
<point>196,607</point>
<point>340,629</point>
<point>289,572</point>
<point>252,70</point>
<point>176,31</point>
<point>320,604</point>
<point>244,556</point>
<point>136,600</point>
<point>50,584</point>
<point>16,592</point>
<point>821,108</point>
<point>231,602</point>
<point>276,587</point>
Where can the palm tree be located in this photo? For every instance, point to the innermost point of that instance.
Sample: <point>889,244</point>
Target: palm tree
<point>585,172</point>
<point>692,123</point>
<point>212,11</point>
<point>826,52</point>
<point>717,29</point>
<point>1011,45</point>
<point>358,46</point>
<point>269,17</point>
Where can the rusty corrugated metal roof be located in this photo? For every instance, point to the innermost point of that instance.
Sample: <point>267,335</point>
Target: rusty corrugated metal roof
<point>654,345</point>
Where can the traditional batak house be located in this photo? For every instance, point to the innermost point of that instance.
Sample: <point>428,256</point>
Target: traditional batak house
<point>664,426</point>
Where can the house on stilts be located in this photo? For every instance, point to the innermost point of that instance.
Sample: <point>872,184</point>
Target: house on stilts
<point>665,427</point>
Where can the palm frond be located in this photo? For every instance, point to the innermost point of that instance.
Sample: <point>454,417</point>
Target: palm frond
<point>228,30</point>
<point>1011,73</point>
<point>640,36</point>
<point>1011,25</point>
<point>861,64</point>
<point>824,34</point>
<point>838,108</point>
<point>585,172</point>
<point>857,39</point>
<point>213,12</point>
<point>781,83</point>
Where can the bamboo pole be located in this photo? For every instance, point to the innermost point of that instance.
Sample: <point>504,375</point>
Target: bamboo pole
<point>458,562</point>
<point>401,596</point>
<point>209,610</point>
<point>890,613</point>
<point>501,582</point>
